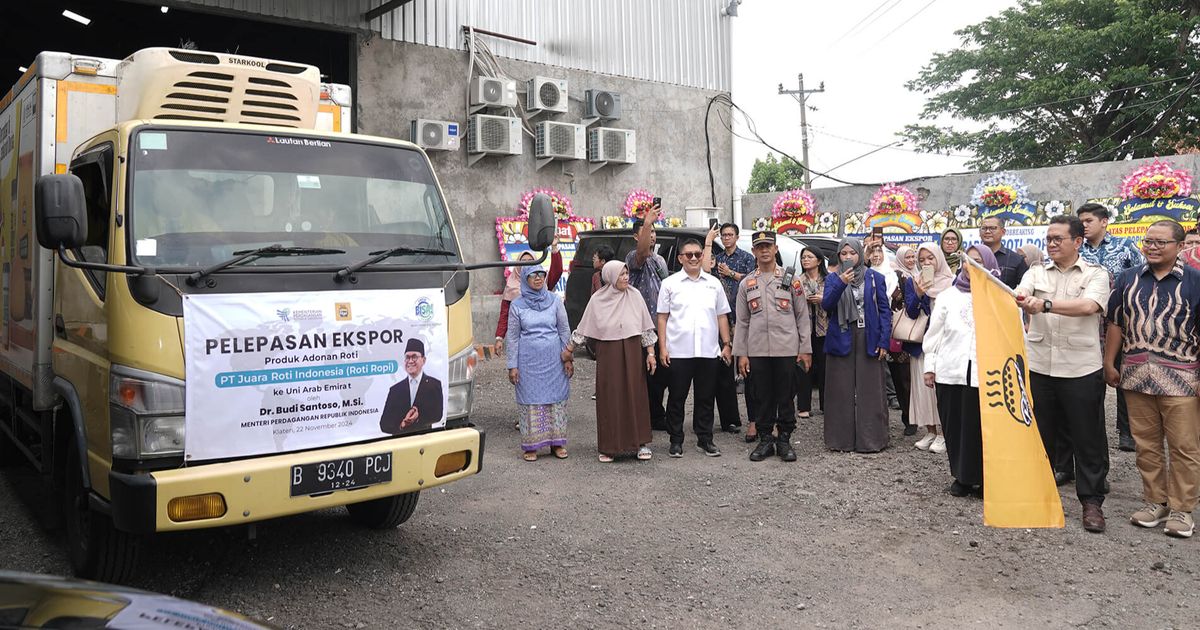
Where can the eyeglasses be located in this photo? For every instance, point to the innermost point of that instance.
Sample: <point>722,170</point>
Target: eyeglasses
<point>411,358</point>
<point>989,228</point>
<point>692,255</point>
<point>1156,243</point>
<point>1056,240</point>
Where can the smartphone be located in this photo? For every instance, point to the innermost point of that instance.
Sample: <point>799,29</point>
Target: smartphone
<point>926,275</point>
<point>877,232</point>
<point>712,223</point>
<point>658,201</point>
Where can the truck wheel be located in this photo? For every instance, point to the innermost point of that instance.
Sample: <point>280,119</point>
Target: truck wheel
<point>98,550</point>
<point>385,513</point>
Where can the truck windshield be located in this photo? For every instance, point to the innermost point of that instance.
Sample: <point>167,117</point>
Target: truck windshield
<point>196,197</point>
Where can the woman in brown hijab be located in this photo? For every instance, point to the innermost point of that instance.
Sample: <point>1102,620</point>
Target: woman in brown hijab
<point>617,321</point>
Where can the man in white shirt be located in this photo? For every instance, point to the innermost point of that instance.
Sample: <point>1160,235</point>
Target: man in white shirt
<point>693,335</point>
<point>1065,299</point>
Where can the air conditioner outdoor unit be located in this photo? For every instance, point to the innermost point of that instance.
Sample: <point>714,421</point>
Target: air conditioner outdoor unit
<point>606,144</point>
<point>499,135</point>
<point>493,92</point>
<point>602,104</point>
<point>560,140</point>
<point>435,135</point>
<point>546,94</point>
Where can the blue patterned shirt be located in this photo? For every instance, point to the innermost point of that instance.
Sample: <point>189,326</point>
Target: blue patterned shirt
<point>1114,254</point>
<point>740,261</point>
<point>647,278</point>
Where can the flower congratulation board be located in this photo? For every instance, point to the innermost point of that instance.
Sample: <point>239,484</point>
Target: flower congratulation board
<point>637,202</point>
<point>1157,191</point>
<point>894,207</point>
<point>794,212</point>
<point>512,233</point>
<point>1005,196</point>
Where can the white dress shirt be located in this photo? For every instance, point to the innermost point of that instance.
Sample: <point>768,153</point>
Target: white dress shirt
<point>692,305</point>
<point>949,344</point>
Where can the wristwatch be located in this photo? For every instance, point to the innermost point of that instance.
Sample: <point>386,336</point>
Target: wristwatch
<point>1047,305</point>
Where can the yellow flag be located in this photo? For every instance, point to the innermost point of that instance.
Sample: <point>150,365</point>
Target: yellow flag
<point>1019,489</point>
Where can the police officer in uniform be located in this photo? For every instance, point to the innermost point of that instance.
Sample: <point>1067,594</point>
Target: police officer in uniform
<point>772,338</point>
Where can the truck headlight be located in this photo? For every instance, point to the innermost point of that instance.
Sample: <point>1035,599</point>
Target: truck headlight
<point>145,414</point>
<point>460,393</point>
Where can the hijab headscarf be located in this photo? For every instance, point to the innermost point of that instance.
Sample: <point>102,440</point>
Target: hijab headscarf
<point>538,300</point>
<point>512,283</point>
<point>1033,254</point>
<point>954,258</point>
<point>905,270</point>
<point>963,282</point>
<point>847,306</point>
<point>942,276</point>
<point>614,314</point>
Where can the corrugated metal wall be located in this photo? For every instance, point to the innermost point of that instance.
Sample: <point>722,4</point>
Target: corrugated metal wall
<point>685,42</point>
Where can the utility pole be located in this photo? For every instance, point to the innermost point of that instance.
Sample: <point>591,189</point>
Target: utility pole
<point>801,96</point>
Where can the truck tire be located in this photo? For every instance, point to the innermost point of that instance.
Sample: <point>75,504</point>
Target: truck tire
<point>97,549</point>
<point>385,513</point>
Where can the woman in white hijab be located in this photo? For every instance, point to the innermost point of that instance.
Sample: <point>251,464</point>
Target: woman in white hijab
<point>617,321</point>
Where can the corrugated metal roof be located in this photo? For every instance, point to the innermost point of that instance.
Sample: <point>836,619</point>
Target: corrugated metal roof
<point>685,42</point>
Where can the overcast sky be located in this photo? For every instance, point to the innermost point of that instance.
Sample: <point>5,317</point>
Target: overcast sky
<point>864,68</point>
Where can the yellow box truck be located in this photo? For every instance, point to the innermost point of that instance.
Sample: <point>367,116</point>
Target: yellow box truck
<point>221,307</point>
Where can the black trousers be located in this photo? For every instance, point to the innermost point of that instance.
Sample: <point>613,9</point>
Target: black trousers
<point>1064,456</point>
<point>1074,405</point>
<point>812,379</point>
<point>656,386</point>
<point>726,394</point>
<point>774,383</point>
<point>902,380</point>
<point>700,374</point>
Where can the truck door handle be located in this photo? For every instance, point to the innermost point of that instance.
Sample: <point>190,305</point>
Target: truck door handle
<point>60,327</point>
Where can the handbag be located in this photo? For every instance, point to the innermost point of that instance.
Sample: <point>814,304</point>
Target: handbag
<point>905,328</point>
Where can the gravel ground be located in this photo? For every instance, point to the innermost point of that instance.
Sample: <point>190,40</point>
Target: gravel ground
<point>834,540</point>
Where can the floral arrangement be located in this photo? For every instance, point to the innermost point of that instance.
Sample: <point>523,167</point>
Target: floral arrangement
<point>1000,190</point>
<point>854,223</point>
<point>561,203</point>
<point>1054,208</point>
<point>938,223</point>
<point>827,222</point>
<point>637,202</point>
<point>762,223</point>
<point>893,199</point>
<point>794,211</point>
<point>1157,180</point>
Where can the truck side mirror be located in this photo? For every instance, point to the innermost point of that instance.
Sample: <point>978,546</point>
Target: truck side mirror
<point>542,224</point>
<point>60,212</point>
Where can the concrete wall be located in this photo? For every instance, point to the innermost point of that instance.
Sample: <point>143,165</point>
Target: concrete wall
<point>398,82</point>
<point>1076,184</point>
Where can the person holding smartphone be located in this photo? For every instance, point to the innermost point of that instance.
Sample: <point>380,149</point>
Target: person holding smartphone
<point>920,293</point>
<point>646,272</point>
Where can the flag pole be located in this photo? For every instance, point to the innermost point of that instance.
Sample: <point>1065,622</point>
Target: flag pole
<point>968,260</point>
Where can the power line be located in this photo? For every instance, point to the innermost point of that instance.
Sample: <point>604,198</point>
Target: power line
<point>864,19</point>
<point>885,12</point>
<point>825,132</point>
<point>901,25</point>
<point>1179,94</point>
<point>1087,96</point>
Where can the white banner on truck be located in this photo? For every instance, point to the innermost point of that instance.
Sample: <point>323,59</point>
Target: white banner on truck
<point>278,372</point>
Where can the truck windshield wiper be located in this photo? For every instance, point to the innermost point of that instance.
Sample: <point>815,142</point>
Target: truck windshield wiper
<point>251,254</point>
<point>388,253</point>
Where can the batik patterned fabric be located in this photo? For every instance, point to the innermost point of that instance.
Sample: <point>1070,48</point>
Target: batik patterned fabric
<point>543,425</point>
<point>1160,323</point>
<point>1114,254</point>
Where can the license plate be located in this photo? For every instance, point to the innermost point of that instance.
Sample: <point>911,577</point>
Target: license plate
<point>341,474</point>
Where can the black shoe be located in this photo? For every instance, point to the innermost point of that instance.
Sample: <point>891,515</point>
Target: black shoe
<point>1125,443</point>
<point>959,489</point>
<point>783,447</point>
<point>766,448</point>
<point>1063,478</point>
<point>910,429</point>
<point>708,448</point>
<point>676,450</point>
<point>894,404</point>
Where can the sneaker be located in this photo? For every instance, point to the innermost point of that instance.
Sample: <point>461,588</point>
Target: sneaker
<point>924,443</point>
<point>939,445</point>
<point>676,450</point>
<point>1152,515</point>
<point>1179,525</point>
<point>709,449</point>
<point>593,397</point>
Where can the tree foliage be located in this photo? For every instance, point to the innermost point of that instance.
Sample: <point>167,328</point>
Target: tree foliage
<point>1064,81</point>
<point>771,175</point>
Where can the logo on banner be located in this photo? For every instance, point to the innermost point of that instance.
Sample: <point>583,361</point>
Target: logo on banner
<point>1010,391</point>
<point>424,309</point>
<point>342,311</point>
<point>285,314</point>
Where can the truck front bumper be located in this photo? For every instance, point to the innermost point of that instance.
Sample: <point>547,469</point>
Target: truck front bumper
<point>258,488</point>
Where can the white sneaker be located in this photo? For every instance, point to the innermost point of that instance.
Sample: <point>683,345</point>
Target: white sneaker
<point>924,442</point>
<point>939,445</point>
<point>1179,525</point>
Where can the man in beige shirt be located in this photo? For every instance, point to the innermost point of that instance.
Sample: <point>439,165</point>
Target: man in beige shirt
<point>1065,299</point>
<point>771,338</point>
